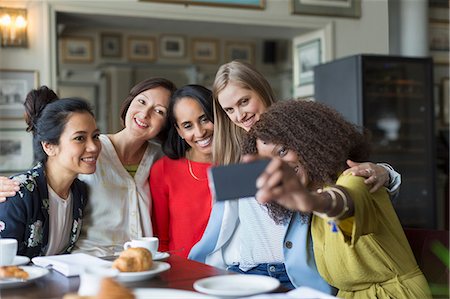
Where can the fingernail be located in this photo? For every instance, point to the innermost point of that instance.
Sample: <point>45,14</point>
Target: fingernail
<point>259,183</point>
<point>17,188</point>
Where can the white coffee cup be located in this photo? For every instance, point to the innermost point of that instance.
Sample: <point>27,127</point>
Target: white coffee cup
<point>8,251</point>
<point>149,243</point>
<point>90,278</point>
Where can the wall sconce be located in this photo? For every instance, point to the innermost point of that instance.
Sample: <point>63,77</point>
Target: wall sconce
<point>13,27</point>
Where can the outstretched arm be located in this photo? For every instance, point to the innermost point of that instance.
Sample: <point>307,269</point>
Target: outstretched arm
<point>279,182</point>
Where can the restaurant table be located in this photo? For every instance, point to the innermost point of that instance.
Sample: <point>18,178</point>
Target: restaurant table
<point>182,275</point>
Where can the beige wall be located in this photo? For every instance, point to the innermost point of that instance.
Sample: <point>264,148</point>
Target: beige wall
<point>369,34</point>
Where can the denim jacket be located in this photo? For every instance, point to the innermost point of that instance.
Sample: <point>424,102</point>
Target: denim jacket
<point>25,216</point>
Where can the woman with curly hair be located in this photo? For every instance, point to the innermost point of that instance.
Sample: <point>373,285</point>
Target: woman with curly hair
<point>359,245</point>
<point>240,235</point>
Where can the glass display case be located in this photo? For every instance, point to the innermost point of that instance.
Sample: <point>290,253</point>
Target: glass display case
<point>392,97</point>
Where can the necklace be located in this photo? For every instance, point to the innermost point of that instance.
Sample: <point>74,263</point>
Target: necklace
<point>192,173</point>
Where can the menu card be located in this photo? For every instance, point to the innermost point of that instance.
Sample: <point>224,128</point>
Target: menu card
<point>70,264</point>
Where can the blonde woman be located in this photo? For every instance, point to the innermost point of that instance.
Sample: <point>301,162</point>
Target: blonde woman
<point>240,235</point>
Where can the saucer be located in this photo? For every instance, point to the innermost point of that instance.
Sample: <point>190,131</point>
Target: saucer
<point>236,285</point>
<point>19,260</point>
<point>158,267</point>
<point>161,256</point>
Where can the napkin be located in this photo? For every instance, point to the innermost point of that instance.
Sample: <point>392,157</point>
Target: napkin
<point>70,264</point>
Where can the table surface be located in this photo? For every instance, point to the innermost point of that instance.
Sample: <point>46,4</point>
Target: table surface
<point>182,275</point>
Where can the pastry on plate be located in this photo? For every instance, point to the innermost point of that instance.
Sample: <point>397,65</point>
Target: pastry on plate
<point>134,260</point>
<point>13,272</point>
<point>111,289</point>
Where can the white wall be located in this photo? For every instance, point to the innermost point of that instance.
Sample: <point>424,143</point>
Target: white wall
<point>369,34</point>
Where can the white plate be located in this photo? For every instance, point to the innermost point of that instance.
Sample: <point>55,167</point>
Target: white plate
<point>20,260</point>
<point>236,285</point>
<point>161,256</point>
<point>157,268</point>
<point>168,293</point>
<point>33,272</point>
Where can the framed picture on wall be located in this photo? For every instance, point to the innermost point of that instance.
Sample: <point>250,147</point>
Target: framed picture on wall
<point>14,86</point>
<point>236,50</point>
<point>309,50</point>
<point>439,42</point>
<point>141,48</point>
<point>111,45</point>
<point>77,50</point>
<point>86,91</point>
<point>172,46</point>
<point>16,150</point>
<point>205,50</point>
<point>335,8</point>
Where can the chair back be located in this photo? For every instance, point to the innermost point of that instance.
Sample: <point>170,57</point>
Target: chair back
<point>421,242</point>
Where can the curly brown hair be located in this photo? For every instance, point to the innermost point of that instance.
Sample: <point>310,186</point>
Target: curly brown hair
<point>321,137</point>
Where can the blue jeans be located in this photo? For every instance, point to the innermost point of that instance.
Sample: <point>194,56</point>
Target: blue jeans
<point>275,270</point>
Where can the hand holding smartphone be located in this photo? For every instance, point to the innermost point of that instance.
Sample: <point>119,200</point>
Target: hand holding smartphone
<point>235,181</point>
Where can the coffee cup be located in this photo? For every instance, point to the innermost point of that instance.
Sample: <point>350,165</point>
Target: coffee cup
<point>8,251</point>
<point>149,243</point>
<point>90,278</point>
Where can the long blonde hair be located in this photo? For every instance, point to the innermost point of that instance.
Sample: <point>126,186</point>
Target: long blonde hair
<point>228,136</point>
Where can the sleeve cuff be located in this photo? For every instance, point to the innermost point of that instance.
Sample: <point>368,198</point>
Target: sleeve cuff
<point>395,179</point>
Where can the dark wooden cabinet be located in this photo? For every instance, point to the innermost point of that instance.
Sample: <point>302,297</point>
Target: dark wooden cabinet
<point>392,97</point>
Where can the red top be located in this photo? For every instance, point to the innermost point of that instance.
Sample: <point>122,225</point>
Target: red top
<point>181,203</point>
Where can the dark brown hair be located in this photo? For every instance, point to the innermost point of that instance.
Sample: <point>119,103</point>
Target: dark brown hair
<point>320,136</point>
<point>141,87</point>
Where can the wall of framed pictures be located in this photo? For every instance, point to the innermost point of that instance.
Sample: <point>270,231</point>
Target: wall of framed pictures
<point>16,148</point>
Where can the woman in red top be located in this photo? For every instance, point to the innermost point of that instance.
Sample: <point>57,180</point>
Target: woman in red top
<point>178,182</point>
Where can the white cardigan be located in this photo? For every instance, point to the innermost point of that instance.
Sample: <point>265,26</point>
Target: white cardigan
<point>118,209</point>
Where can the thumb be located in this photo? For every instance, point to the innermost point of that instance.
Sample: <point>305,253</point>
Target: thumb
<point>350,163</point>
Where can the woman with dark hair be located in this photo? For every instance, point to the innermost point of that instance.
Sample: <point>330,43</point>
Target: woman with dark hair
<point>178,182</point>
<point>359,244</point>
<point>45,217</point>
<point>119,189</point>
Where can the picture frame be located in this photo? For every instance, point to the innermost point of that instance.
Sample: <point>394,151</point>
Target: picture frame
<point>309,50</point>
<point>14,87</point>
<point>334,8</point>
<point>16,150</point>
<point>85,91</point>
<point>111,45</point>
<point>172,46</point>
<point>77,50</point>
<point>205,50</point>
<point>445,105</point>
<point>237,50</point>
<point>141,48</point>
<point>439,42</point>
<point>250,4</point>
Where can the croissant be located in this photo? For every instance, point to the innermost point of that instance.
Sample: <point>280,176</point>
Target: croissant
<point>134,260</point>
<point>13,271</point>
<point>111,289</point>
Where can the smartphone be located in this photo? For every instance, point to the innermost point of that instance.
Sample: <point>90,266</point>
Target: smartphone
<point>235,181</point>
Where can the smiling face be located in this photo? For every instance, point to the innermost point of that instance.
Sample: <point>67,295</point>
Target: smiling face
<point>78,147</point>
<point>147,113</point>
<point>194,127</point>
<point>271,150</point>
<point>243,106</point>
